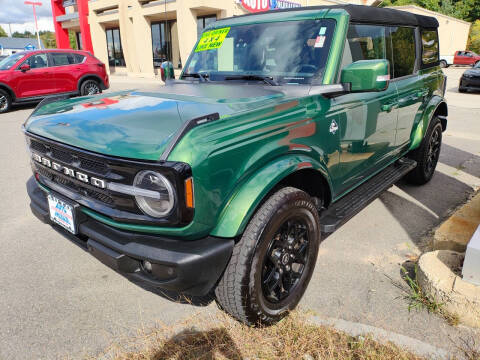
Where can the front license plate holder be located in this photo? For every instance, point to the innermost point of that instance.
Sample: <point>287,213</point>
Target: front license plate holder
<point>63,213</point>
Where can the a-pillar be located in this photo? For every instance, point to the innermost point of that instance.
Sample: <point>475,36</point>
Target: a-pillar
<point>61,34</point>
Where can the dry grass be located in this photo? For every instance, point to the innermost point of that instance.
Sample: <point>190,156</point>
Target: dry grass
<point>221,337</point>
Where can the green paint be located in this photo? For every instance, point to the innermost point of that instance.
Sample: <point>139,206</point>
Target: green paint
<point>263,134</point>
<point>363,76</point>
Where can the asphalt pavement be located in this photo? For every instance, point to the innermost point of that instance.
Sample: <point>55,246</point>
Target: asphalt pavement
<point>57,301</point>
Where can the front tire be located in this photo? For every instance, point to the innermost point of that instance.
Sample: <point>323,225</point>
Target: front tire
<point>5,102</point>
<point>90,87</point>
<point>427,154</point>
<point>273,262</point>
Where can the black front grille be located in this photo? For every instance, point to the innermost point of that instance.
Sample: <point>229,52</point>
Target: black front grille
<point>82,190</point>
<point>67,157</point>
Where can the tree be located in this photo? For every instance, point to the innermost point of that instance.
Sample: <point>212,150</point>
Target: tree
<point>3,33</point>
<point>48,39</point>
<point>474,38</point>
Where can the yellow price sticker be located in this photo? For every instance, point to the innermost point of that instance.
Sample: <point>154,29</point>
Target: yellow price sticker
<point>212,39</point>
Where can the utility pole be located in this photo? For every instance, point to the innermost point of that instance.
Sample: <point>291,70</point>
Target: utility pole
<point>35,16</point>
<point>10,28</point>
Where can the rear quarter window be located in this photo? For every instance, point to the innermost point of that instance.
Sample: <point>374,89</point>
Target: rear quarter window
<point>430,49</point>
<point>78,59</point>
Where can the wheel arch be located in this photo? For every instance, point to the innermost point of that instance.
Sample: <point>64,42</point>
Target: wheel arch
<point>90,77</point>
<point>9,90</point>
<point>436,107</point>
<point>297,171</point>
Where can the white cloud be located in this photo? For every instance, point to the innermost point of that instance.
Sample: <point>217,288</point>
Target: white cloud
<point>20,16</point>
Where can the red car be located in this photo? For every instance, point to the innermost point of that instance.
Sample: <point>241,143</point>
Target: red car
<point>33,75</point>
<point>466,58</point>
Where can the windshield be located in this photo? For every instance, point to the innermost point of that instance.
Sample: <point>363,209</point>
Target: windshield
<point>8,62</point>
<point>293,52</point>
<point>477,65</point>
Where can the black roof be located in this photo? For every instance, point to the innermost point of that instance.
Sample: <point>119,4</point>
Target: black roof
<point>371,14</point>
<point>360,13</point>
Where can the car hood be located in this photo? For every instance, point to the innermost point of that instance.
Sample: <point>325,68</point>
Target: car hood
<point>472,72</point>
<point>139,125</point>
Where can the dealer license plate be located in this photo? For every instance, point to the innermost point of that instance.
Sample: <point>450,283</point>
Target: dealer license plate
<point>62,213</point>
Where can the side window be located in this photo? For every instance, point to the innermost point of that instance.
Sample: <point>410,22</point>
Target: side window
<point>61,59</point>
<point>78,59</point>
<point>365,42</point>
<point>36,61</point>
<point>403,46</point>
<point>430,53</point>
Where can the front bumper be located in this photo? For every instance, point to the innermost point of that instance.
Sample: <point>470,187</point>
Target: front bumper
<point>186,267</point>
<point>470,83</point>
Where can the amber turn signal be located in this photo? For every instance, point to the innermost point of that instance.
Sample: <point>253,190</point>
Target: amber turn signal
<point>189,193</point>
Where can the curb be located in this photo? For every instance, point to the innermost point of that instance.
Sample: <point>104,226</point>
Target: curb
<point>383,336</point>
<point>437,279</point>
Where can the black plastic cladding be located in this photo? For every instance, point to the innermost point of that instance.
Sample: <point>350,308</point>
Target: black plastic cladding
<point>124,207</point>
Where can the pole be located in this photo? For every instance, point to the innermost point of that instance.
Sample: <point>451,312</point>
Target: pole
<point>35,16</point>
<point>10,28</point>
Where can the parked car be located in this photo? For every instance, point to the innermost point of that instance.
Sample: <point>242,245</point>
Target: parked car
<point>3,57</point>
<point>27,77</point>
<point>460,58</point>
<point>470,79</point>
<point>223,183</point>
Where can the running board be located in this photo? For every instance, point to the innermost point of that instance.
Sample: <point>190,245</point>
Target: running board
<point>348,206</point>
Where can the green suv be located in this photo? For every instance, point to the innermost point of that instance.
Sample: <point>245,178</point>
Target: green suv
<point>222,183</point>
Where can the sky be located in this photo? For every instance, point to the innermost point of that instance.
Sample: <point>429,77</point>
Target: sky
<point>20,16</point>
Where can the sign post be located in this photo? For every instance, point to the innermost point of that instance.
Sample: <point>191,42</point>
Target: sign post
<point>35,16</point>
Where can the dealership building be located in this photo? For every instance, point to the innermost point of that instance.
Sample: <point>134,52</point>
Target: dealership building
<point>135,36</point>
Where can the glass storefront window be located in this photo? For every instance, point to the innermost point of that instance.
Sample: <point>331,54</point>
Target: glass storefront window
<point>114,47</point>
<point>203,22</point>
<point>161,42</point>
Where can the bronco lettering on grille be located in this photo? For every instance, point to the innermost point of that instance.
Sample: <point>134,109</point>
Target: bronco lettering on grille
<point>69,171</point>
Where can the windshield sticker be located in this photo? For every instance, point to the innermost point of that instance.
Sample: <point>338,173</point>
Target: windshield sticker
<point>320,41</point>
<point>323,30</point>
<point>213,39</point>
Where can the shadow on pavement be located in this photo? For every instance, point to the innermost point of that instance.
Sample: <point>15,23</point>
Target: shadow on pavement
<point>457,158</point>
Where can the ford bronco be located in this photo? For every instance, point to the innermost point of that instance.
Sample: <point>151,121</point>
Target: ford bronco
<point>281,127</point>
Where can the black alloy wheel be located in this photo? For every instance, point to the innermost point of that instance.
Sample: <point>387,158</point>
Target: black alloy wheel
<point>285,260</point>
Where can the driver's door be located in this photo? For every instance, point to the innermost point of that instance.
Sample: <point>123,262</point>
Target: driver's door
<point>36,81</point>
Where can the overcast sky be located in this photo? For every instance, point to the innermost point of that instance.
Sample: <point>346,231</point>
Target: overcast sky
<point>20,16</point>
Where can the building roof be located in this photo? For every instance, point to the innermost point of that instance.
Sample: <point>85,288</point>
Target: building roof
<point>18,43</point>
<point>358,13</point>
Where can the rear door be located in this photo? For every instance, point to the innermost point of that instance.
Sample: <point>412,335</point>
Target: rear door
<point>62,69</point>
<point>405,76</point>
<point>368,120</point>
<point>36,81</point>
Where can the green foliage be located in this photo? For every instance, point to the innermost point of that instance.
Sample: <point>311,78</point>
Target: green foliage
<point>26,34</point>
<point>48,39</point>
<point>474,38</point>
<point>468,10</point>
<point>3,33</point>
<point>73,40</point>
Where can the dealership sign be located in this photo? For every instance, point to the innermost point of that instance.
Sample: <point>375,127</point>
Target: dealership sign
<point>265,5</point>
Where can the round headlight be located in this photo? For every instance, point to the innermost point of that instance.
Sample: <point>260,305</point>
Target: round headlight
<point>154,193</point>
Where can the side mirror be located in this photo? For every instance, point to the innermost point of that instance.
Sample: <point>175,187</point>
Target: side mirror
<point>167,72</point>
<point>25,67</point>
<point>367,75</point>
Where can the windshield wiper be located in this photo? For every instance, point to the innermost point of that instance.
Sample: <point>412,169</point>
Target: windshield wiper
<point>202,76</point>
<point>266,79</point>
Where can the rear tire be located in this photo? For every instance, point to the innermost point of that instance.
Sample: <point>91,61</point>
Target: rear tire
<point>426,155</point>
<point>90,87</point>
<point>273,262</point>
<point>5,102</point>
<point>443,64</point>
